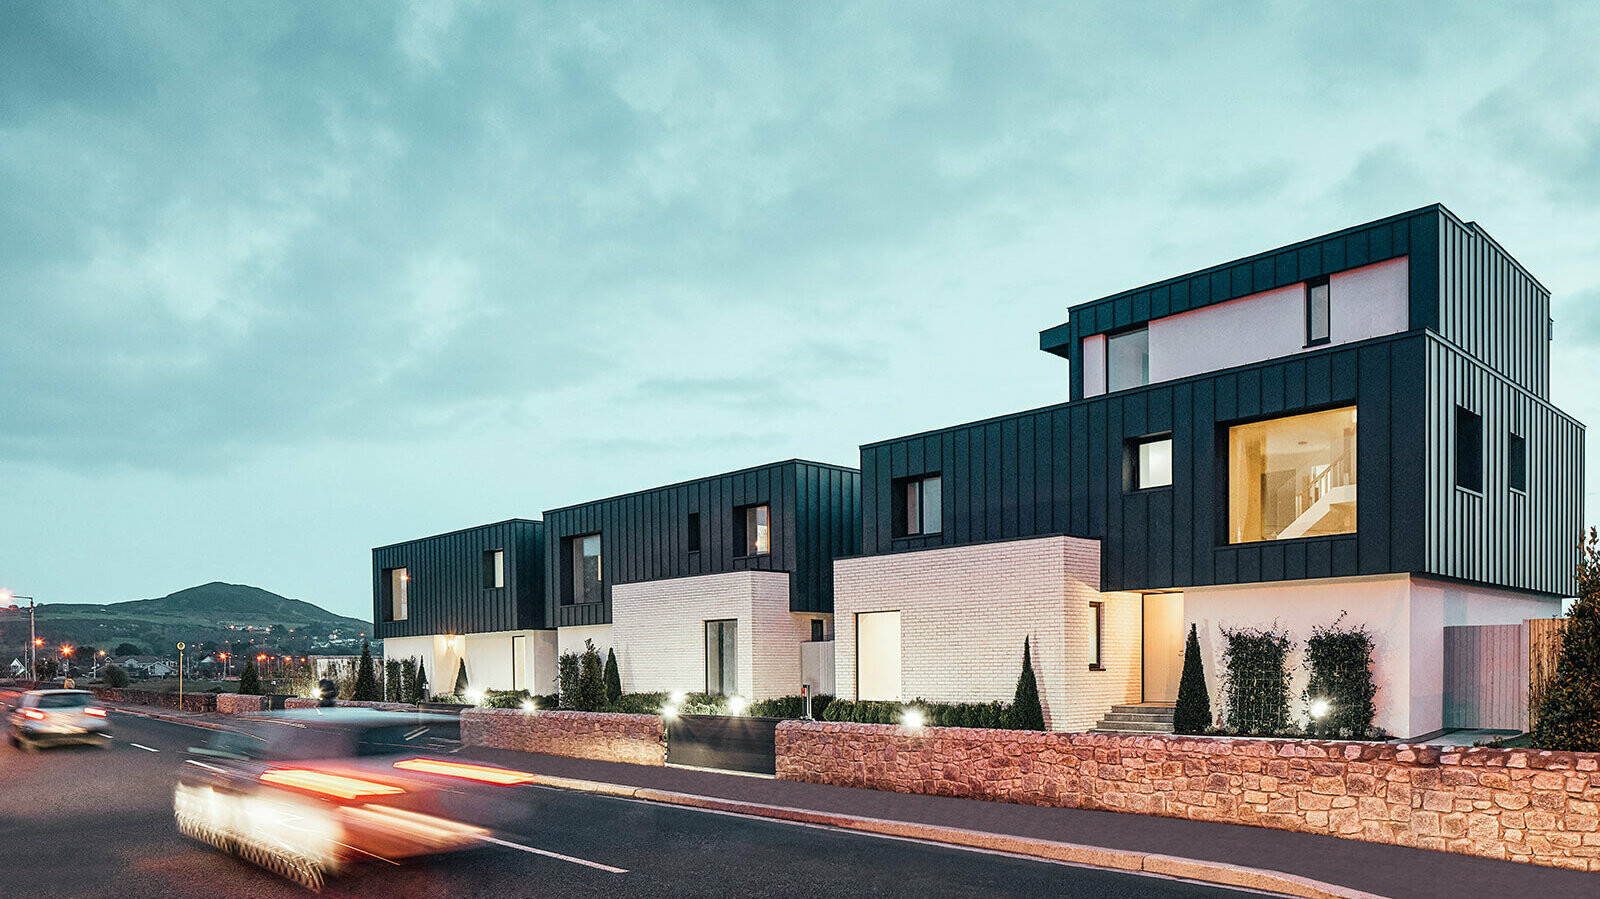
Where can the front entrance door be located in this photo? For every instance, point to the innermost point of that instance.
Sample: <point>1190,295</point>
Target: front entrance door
<point>1163,646</point>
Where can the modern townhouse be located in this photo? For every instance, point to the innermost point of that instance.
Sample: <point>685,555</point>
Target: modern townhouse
<point>722,584</point>
<point>476,596</point>
<point>1355,424</point>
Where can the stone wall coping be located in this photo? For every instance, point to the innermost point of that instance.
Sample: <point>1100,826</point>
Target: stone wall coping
<point>569,715</point>
<point>1411,753</point>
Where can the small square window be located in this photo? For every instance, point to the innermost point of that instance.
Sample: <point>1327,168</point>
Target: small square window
<point>755,523</point>
<point>919,505</point>
<point>1469,450</point>
<point>1516,463</point>
<point>693,528</point>
<point>1319,325</point>
<point>494,569</point>
<point>1148,463</point>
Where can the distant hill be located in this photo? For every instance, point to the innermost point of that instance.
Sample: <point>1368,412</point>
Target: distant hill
<point>209,612</point>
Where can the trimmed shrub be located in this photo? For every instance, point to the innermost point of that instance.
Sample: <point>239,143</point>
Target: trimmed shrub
<point>790,707</point>
<point>1340,662</point>
<point>591,680</point>
<point>1026,712</point>
<point>504,699</point>
<point>1255,680</point>
<point>114,676</point>
<point>567,668</point>
<point>393,682</point>
<point>249,680</point>
<point>637,703</point>
<point>461,677</point>
<point>613,677</point>
<point>546,701</point>
<point>1569,713</point>
<point>419,689</point>
<point>366,687</point>
<point>1192,714</point>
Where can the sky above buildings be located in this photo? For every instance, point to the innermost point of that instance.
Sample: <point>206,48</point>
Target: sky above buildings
<point>282,282</point>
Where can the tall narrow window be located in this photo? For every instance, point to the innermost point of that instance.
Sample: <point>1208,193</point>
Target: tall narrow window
<point>1149,463</point>
<point>816,630</point>
<point>1469,449</point>
<point>722,657</point>
<point>1128,359</point>
<point>1097,614</point>
<point>519,662</point>
<point>693,528</point>
<point>1292,477</point>
<point>586,569</point>
<point>396,581</point>
<point>920,508</point>
<point>494,569</point>
<point>1516,463</point>
<point>1319,328</point>
<point>757,530</point>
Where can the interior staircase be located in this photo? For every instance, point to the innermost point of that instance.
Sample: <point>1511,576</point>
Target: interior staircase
<point>1138,718</point>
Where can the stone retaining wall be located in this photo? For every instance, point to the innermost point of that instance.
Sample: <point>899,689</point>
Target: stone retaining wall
<point>1519,804</point>
<point>235,704</point>
<point>637,739</point>
<point>193,702</point>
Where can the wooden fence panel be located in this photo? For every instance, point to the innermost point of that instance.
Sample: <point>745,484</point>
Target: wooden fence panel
<point>1486,677</point>
<point>1544,646</point>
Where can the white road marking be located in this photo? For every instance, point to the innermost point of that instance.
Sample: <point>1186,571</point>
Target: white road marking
<point>545,852</point>
<point>144,747</point>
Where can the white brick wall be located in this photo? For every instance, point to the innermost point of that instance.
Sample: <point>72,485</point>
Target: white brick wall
<point>658,631</point>
<point>965,610</point>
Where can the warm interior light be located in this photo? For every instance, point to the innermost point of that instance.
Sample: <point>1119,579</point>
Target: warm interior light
<point>334,785</point>
<point>481,773</point>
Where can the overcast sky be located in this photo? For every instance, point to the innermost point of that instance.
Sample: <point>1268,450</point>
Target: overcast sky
<point>283,282</point>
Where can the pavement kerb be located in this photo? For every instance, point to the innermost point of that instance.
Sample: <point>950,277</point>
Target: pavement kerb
<point>1073,853</point>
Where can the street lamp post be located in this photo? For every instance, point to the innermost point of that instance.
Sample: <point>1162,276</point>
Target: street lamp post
<point>33,639</point>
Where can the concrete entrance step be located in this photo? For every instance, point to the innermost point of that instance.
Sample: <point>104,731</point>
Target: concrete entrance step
<point>1143,718</point>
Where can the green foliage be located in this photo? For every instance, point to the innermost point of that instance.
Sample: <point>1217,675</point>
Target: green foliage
<point>408,680</point>
<point>567,669</point>
<point>546,701</point>
<point>1569,713</point>
<point>1340,661</point>
<point>591,696</point>
<point>419,687</point>
<point>789,707</point>
<point>249,680</point>
<point>447,698</point>
<point>504,699</point>
<point>393,681</point>
<point>1026,711</point>
<point>114,676</point>
<point>1192,715</point>
<point>993,715</point>
<point>127,649</point>
<point>461,677</point>
<point>1255,680</point>
<point>613,677</point>
<point>637,703</point>
<point>366,686</point>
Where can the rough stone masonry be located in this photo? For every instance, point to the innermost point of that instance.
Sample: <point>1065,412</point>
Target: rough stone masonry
<point>1519,804</point>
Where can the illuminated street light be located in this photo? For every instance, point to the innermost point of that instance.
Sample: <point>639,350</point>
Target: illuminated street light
<point>7,598</point>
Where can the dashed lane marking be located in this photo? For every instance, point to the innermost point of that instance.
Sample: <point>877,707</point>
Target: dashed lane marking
<point>547,853</point>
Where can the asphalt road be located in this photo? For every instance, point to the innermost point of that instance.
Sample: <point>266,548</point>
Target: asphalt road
<point>98,822</point>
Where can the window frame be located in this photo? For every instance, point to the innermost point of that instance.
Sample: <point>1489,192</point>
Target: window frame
<point>1517,462</point>
<point>572,563</point>
<point>1464,462</point>
<point>723,624</point>
<point>749,544</point>
<point>692,529</point>
<point>1130,462</point>
<point>1097,616</point>
<point>1111,339</point>
<point>1224,484</point>
<point>393,599</point>
<point>1311,291</point>
<point>494,569</point>
<point>902,489</point>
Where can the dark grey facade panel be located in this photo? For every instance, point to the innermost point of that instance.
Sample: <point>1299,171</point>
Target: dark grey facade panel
<point>1492,308</point>
<point>1175,536</point>
<point>1526,540</point>
<point>445,593</point>
<point>643,534</point>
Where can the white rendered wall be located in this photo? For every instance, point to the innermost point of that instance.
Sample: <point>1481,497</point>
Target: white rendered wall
<point>1366,302</point>
<point>659,632</point>
<point>489,660</point>
<point>570,639</point>
<point>965,610</point>
<point>402,648</point>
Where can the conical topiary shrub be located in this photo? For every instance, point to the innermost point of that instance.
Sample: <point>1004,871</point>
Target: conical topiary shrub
<point>613,678</point>
<point>419,687</point>
<point>1026,711</point>
<point>393,683</point>
<point>1192,715</point>
<point>1569,715</point>
<point>366,689</point>
<point>591,680</point>
<point>461,677</point>
<point>249,680</point>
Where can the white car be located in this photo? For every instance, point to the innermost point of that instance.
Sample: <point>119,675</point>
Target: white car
<point>47,717</point>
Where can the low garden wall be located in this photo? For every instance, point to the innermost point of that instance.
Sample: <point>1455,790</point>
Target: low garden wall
<point>1519,804</point>
<point>611,737</point>
<point>235,704</point>
<point>192,702</point>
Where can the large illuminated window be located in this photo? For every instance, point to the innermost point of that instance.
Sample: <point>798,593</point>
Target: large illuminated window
<point>1292,477</point>
<point>757,524</point>
<point>396,581</point>
<point>586,570</point>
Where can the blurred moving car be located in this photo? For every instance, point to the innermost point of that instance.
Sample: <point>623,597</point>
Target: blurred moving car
<point>48,717</point>
<point>305,793</point>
